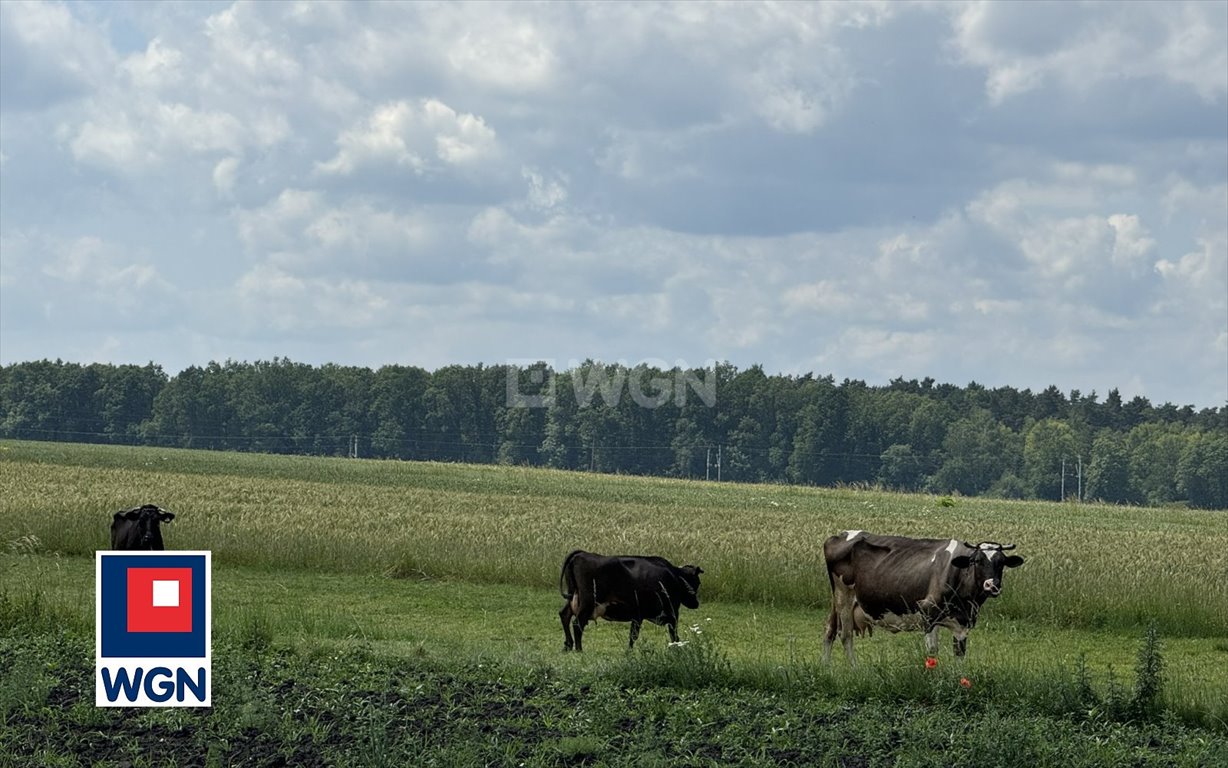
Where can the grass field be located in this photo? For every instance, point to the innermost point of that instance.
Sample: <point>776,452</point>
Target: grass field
<point>452,570</point>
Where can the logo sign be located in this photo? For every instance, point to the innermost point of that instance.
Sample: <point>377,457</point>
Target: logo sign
<point>154,619</point>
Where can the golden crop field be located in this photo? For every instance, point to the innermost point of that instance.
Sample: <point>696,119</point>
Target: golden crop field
<point>1089,566</point>
<point>464,559</point>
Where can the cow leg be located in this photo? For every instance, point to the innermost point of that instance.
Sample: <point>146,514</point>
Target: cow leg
<point>931,642</point>
<point>829,634</point>
<point>961,642</point>
<point>846,637</point>
<point>635,633</point>
<point>843,603</point>
<point>565,617</point>
<point>673,632</point>
<point>582,614</point>
<point>577,628</point>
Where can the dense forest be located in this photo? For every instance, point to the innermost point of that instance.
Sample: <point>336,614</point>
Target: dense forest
<point>718,423</point>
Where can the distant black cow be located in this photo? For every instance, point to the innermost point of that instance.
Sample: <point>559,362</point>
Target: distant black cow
<point>900,583</point>
<point>138,528</point>
<point>623,588</point>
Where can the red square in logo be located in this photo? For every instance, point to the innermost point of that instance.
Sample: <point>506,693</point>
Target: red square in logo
<point>159,599</point>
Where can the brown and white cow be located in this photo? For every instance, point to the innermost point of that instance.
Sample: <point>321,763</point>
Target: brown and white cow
<point>623,588</point>
<point>899,583</point>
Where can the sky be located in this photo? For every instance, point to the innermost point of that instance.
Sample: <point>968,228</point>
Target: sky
<point>1017,194</point>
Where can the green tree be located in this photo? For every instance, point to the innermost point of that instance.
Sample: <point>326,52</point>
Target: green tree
<point>1049,459</point>
<point>126,399</point>
<point>1155,454</point>
<point>690,450</point>
<point>397,411</point>
<point>745,452</point>
<point>521,423</point>
<point>1202,473</point>
<point>195,410</point>
<point>901,468</point>
<point>449,402</point>
<point>1108,472</point>
<point>559,442</point>
<point>976,451</point>
<point>819,450</point>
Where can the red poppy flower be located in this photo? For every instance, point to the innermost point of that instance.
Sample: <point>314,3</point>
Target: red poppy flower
<point>930,662</point>
<point>965,682</point>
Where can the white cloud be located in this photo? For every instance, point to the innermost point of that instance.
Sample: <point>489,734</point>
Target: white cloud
<point>360,229</point>
<point>155,69</point>
<point>1022,47</point>
<point>797,90</point>
<point>114,143</point>
<point>1058,222</point>
<point>1133,246</point>
<point>1205,266</point>
<point>885,351</point>
<point>269,296</point>
<point>1016,194</point>
<point>47,56</point>
<point>224,175</point>
<point>544,193</point>
<point>1195,50</point>
<point>279,224</point>
<point>143,135</point>
<point>509,53</point>
<point>824,296</point>
<point>99,265</point>
<point>243,43</point>
<point>414,138</point>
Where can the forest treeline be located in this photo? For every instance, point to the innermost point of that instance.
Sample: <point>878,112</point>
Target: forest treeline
<point>721,422</point>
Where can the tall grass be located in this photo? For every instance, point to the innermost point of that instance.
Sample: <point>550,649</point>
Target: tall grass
<point>1088,566</point>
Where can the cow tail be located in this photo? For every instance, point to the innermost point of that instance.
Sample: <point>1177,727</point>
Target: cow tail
<point>565,575</point>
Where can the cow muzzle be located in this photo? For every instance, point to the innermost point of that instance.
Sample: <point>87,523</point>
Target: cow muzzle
<point>992,587</point>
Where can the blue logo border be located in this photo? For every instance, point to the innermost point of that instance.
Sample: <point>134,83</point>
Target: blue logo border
<point>116,642</point>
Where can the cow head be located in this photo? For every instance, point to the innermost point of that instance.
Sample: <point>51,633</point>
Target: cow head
<point>988,561</point>
<point>688,575</point>
<point>145,519</point>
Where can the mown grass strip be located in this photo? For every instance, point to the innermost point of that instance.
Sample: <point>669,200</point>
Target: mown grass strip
<point>448,622</point>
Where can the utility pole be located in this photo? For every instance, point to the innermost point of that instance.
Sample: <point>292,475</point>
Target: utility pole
<point>353,446</point>
<point>1080,497</point>
<point>1063,478</point>
<point>718,463</point>
<point>708,465</point>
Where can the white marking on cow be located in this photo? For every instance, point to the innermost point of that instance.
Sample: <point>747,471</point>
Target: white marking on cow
<point>950,550</point>
<point>850,535</point>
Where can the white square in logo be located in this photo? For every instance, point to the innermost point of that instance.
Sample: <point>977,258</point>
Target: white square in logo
<point>165,594</point>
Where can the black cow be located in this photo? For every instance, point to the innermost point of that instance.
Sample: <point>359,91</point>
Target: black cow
<point>138,528</point>
<point>900,583</point>
<point>623,588</point>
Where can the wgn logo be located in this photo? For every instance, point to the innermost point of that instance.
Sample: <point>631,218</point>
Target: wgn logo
<point>153,629</point>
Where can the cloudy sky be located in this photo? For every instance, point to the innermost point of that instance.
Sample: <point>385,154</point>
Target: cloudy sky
<point>1016,194</point>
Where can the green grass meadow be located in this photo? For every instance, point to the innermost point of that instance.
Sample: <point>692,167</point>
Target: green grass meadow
<point>347,572</point>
